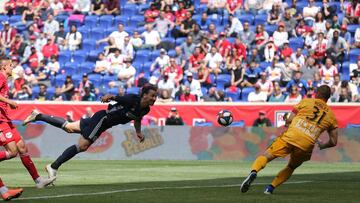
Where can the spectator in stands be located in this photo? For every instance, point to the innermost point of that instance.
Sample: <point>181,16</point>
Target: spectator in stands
<point>252,73</point>
<point>336,48</point>
<point>197,34</point>
<point>274,15</point>
<point>7,35</point>
<point>298,58</point>
<point>186,27</point>
<point>102,65</point>
<point>214,61</point>
<point>309,69</point>
<point>345,95</point>
<point>215,7</point>
<point>30,78</point>
<point>280,35</point>
<point>88,95</point>
<point>164,96</point>
<point>116,61</point>
<point>265,84</point>
<point>33,59</point>
<point>30,31</point>
<point>319,46</point>
<point>136,40</point>
<point>310,11</point>
<point>254,7</point>
<point>204,21</point>
<point>169,14</point>
<point>356,44</point>
<point>83,7</point>
<point>97,7</point>
<point>258,95</point>
<point>211,33</point>
<point>204,75</point>
<point>188,47</point>
<point>85,82</point>
<point>235,26</point>
<point>328,11</point>
<point>356,70</point>
<point>352,13</point>
<point>319,24</point>
<point>180,12</point>
<point>231,59</point>
<point>17,68</point>
<point>58,96</point>
<point>166,84</point>
<point>60,37</point>
<point>43,94</point>
<point>193,85</point>
<point>174,117</point>
<point>28,15</point>
<point>261,38</point>
<point>160,63</point>
<point>68,88</point>
<point>18,82</point>
<point>298,82</point>
<point>45,10</point>
<point>127,48</point>
<point>174,71</point>
<point>262,121</point>
<point>247,36</point>
<point>50,49</point>
<point>346,35</point>
<point>151,14</point>
<point>211,96</point>
<point>328,30</point>
<point>180,58</point>
<point>294,95</point>
<point>286,51</point>
<point>10,7</point>
<point>118,35</point>
<point>53,66</point>
<point>289,22</point>
<point>287,69</point>
<point>223,45</point>
<point>151,37</point>
<point>73,39</point>
<point>352,88</point>
<point>302,30</point>
<point>51,25</point>
<point>187,96</point>
<point>234,7</point>
<point>328,71</point>
<point>24,94</point>
<point>126,75</point>
<point>270,50</point>
<point>277,96</point>
<point>18,47</point>
<point>310,38</point>
<point>163,25</point>
<point>273,71</point>
<point>336,84</point>
<point>57,6</point>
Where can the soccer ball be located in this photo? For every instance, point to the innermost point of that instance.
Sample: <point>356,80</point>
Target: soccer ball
<point>224,117</point>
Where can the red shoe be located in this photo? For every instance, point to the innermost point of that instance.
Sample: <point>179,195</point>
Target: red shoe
<point>11,194</point>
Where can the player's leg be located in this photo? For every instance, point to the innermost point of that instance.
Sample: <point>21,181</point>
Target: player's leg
<point>296,159</point>
<point>278,148</point>
<point>8,194</point>
<point>7,141</point>
<point>68,154</point>
<point>10,151</point>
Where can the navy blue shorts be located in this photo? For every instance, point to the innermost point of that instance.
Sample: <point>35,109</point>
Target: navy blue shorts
<point>91,128</point>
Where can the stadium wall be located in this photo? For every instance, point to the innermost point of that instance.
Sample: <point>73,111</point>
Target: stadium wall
<point>179,143</point>
<point>192,112</point>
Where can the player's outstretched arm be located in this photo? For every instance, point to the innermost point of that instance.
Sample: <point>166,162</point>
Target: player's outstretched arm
<point>137,125</point>
<point>107,98</point>
<point>333,137</point>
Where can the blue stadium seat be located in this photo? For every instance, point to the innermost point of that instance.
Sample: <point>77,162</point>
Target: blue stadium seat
<point>143,7</point>
<point>221,80</point>
<point>93,55</point>
<point>171,53</point>
<point>143,54</point>
<point>113,91</point>
<point>146,67</point>
<point>155,54</point>
<point>350,125</point>
<point>133,90</point>
<point>231,40</point>
<point>169,40</point>
<point>235,96</point>
<point>121,19</point>
<point>246,17</point>
<point>263,65</point>
<point>138,65</point>
<point>69,70</point>
<point>14,19</point>
<point>88,45</point>
<point>203,124</point>
<point>345,71</point>
<point>64,57</point>
<point>270,29</point>
<point>179,41</point>
<point>354,54</point>
<point>136,21</point>
<point>61,18</point>
<point>80,56</point>
<point>352,29</point>
<point>76,78</point>
<point>75,22</point>
<point>297,42</point>
<point>4,18</point>
<point>106,21</point>
<point>110,30</point>
<point>240,123</point>
<point>245,93</point>
<point>130,9</point>
<point>97,33</point>
<point>71,65</point>
<point>50,92</point>
<point>86,67</point>
<point>91,20</point>
<point>300,6</point>
<point>108,78</point>
<point>59,80</point>
<point>85,31</point>
<point>204,90</point>
<point>197,18</point>
<point>95,79</point>
<point>201,9</point>
<point>35,90</point>
<point>260,19</point>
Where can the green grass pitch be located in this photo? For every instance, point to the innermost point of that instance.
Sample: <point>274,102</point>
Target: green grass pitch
<point>183,181</point>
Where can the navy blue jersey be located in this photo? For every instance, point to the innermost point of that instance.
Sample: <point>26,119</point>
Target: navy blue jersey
<point>126,109</point>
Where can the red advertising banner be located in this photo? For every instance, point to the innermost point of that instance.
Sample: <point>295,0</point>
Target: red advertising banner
<point>190,112</point>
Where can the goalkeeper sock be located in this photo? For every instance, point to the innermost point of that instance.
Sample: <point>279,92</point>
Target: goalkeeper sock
<point>65,156</point>
<point>259,163</point>
<point>52,120</point>
<point>282,176</point>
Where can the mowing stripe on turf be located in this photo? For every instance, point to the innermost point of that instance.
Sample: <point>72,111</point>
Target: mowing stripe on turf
<point>149,188</point>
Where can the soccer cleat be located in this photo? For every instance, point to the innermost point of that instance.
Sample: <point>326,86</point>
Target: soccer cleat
<point>31,117</point>
<point>269,190</point>
<point>11,194</point>
<point>51,172</point>
<point>43,182</point>
<point>247,182</point>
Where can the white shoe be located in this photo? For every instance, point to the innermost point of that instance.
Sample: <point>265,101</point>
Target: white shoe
<point>43,182</point>
<point>31,117</point>
<point>51,172</point>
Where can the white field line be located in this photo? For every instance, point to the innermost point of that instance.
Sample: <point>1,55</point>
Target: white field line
<point>145,189</point>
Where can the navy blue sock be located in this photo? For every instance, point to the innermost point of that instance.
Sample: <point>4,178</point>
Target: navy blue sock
<point>52,120</point>
<point>65,156</point>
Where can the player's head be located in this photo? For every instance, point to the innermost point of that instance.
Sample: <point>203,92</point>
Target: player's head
<point>323,92</point>
<point>6,66</point>
<point>148,94</point>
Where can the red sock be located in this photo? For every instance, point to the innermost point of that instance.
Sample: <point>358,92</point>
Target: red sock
<point>4,155</point>
<point>29,165</point>
<point>1,183</point>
